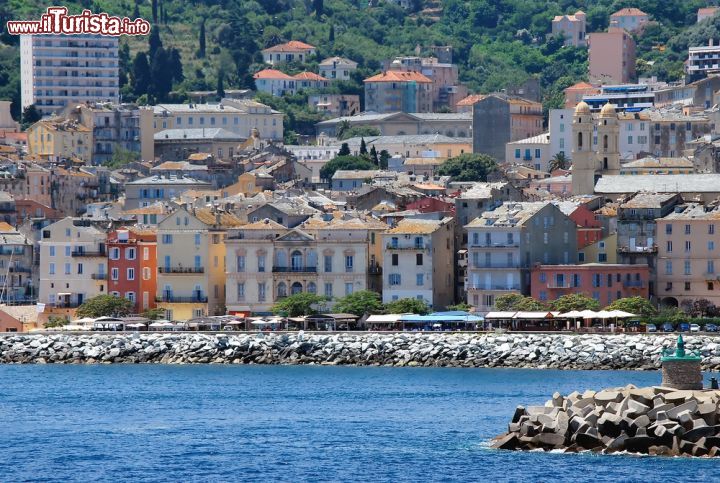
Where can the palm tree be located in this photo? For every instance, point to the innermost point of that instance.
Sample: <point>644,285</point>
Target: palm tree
<point>342,128</point>
<point>559,161</point>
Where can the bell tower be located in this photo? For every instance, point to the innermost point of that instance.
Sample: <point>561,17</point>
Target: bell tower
<point>583,157</point>
<point>608,140</point>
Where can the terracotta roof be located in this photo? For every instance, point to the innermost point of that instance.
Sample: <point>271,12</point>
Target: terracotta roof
<point>292,46</point>
<point>264,224</point>
<point>398,76</point>
<point>419,227</point>
<point>227,220</point>
<point>199,156</point>
<point>623,12</point>
<point>471,99</point>
<point>6,227</point>
<point>707,10</point>
<point>156,209</point>
<point>581,85</point>
<point>309,76</point>
<point>272,74</point>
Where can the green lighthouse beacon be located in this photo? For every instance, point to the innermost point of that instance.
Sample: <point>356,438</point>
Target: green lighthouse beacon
<point>681,370</point>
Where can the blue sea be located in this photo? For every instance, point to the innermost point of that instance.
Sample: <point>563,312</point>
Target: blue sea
<point>294,423</point>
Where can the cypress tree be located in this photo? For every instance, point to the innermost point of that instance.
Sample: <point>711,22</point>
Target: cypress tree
<point>363,147</point>
<point>154,42</point>
<point>154,11</point>
<point>140,74</point>
<point>331,36</point>
<point>201,49</point>
<point>344,150</point>
<point>220,89</point>
<point>374,156</point>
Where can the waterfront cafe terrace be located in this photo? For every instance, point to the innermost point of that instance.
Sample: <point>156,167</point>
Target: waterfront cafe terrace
<point>437,321</point>
<point>540,321</point>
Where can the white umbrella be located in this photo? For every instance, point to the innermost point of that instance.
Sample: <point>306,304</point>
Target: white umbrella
<point>573,314</point>
<point>84,321</point>
<point>587,314</point>
<point>621,314</point>
<point>157,324</point>
<point>604,314</point>
<point>137,325</point>
<point>235,322</point>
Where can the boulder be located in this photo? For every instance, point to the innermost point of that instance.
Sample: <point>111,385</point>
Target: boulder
<point>638,444</point>
<point>509,441</point>
<point>588,441</point>
<point>551,439</point>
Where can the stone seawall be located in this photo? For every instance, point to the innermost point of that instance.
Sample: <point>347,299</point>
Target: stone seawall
<point>390,349</point>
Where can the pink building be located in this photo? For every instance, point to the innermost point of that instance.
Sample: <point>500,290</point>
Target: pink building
<point>575,93</point>
<point>706,12</point>
<point>612,57</point>
<point>604,282</point>
<point>630,19</point>
<point>572,27</point>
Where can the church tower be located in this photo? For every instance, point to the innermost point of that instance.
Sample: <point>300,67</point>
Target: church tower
<point>608,130</point>
<point>583,157</point>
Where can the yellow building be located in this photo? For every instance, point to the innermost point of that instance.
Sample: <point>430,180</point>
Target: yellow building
<point>191,262</point>
<point>602,251</point>
<point>246,185</point>
<point>55,139</point>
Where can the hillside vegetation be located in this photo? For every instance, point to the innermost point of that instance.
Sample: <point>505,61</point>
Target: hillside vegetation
<point>496,42</point>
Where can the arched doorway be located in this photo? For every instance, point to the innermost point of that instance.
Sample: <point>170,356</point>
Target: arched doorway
<point>312,288</point>
<point>296,261</point>
<point>296,288</point>
<point>669,302</point>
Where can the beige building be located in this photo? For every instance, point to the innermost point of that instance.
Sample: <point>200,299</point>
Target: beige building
<point>418,261</point>
<point>191,262</point>
<point>396,90</point>
<point>652,165</point>
<point>18,282</point>
<point>688,240</point>
<point>457,125</point>
<point>611,59</point>
<point>55,139</point>
<point>293,51</point>
<point>267,261</point>
<point>533,151</point>
<point>73,265</point>
<point>337,68</point>
<point>436,146</point>
<point>572,27</point>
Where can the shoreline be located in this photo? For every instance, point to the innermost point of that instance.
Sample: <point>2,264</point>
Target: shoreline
<point>403,349</point>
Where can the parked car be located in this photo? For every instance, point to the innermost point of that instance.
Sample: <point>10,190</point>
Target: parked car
<point>684,327</point>
<point>711,328</point>
<point>694,328</point>
<point>667,327</point>
<point>650,328</point>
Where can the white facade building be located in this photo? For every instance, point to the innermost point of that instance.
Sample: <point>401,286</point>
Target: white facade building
<point>57,70</point>
<point>560,124</point>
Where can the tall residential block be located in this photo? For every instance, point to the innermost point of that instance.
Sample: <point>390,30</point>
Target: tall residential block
<point>612,56</point>
<point>60,70</point>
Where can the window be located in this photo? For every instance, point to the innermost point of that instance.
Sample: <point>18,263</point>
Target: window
<point>394,279</point>
<point>687,245</point>
<point>668,267</point>
<point>241,291</point>
<point>395,259</point>
<point>68,251</point>
<point>130,296</point>
<point>419,259</point>
<point>348,288</point>
<point>68,270</point>
<point>517,154</point>
<point>711,229</point>
<point>114,273</point>
<point>419,242</point>
<point>545,238</point>
<point>130,253</point>
<point>543,295</point>
<point>146,253</point>
<point>147,274</point>
<point>328,289</point>
<point>348,263</point>
<point>51,269</point>
<point>669,246</point>
<point>52,251</point>
<point>687,229</point>
<point>197,261</point>
<point>80,269</point>
<point>167,239</point>
<point>261,263</point>
<point>114,253</point>
<point>711,266</point>
<point>711,245</point>
<point>241,263</point>
<point>687,286</point>
<point>419,279</point>
<point>328,263</point>
<point>581,256</point>
<point>668,229</point>
<point>542,277</point>
<point>261,292</point>
<point>131,274</point>
<point>687,268</point>
<point>537,153</point>
<point>197,238</point>
<point>602,257</point>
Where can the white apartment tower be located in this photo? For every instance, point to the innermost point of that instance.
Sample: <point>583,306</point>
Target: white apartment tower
<point>57,70</point>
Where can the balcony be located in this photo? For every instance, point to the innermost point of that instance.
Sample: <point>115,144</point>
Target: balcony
<point>294,269</point>
<point>172,299</point>
<point>496,265</point>
<point>497,244</point>
<point>560,286</point>
<point>11,251</point>
<point>20,270</point>
<point>180,270</point>
<point>88,253</point>
<point>99,276</point>
<point>652,249</point>
<point>390,246</point>
<point>515,288</point>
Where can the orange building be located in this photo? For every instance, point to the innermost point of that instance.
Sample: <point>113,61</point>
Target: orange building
<point>132,266</point>
<point>575,93</point>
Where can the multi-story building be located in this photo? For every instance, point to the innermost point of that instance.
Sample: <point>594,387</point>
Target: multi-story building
<point>572,27</point>
<point>604,282</point>
<point>673,129</point>
<point>240,116</point>
<point>293,51</point>
<point>624,97</point>
<point>73,265</point>
<point>499,119</point>
<point>18,277</point>
<point>58,139</point>
<point>703,60</point>
<point>447,90</point>
<point>60,70</point>
<point>637,242</point>
<point>611,59</point>
<point>533,151</point>
<point>504,244</point>
<point>630,19</point>
<point>132,266</point>
<point>334,258</point>
<point>560,130</point>
<point>652,165</point>
<point>191,262</point>
<point>275,82</point>
<point>310,81</point>
<point>687,255</point>
<point>428,246</point>
<point>337,68</point>
<point>396,90</point>
<point>575,93</point>
<point>454,124</point>
<point>147,191</point>
<point>698,94</point>
<point>335,104</point>
<point>115,127</point>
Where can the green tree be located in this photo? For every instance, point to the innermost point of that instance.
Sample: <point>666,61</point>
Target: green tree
<point>161,82</point>
<point>154,8</point>
<point>140,74</point>
<point>559,161</point>
<point>318,7</point>
<point>121,157</point>
<point>341,128</point>
<point>176,66</point>
<point>344,150</point>
<point>468,167</point>
<point>518,302</point>
<point>363,147</point>
<point>220,91</point>
<point>384,157</point>
<point>55,321</point>
<point>359,163</point>
<point>359,303</point>
<point>461,307</point>
<point>298,304</point>
<point>105,306</point>
<point>374,156</point>
<point>201,48</point>
<point>30,116</point>
<point>154,314</point>
<point>331,35</point>
<point>358,132</point>
<point>574,301</point>
<point>154,42</point>
<point>634,305</point>
<point>407,306</point>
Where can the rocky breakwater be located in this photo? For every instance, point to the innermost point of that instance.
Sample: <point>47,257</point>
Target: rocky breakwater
<point>355,348</point>
<point>651,420</point>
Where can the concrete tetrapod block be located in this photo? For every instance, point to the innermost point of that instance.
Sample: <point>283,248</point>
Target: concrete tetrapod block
<point>513,427</point>
<point>695,434</point>
<point>535,410</point>
<point>688,406</point>
<point>588,441</point>
<point>551,439</point>
<point>562,422</point>
<point>640,422</point>
<point>609,424</point>
<point>653,413</point>
<point>708,411</point>
<point>509,441</point>
<point>635,409</point>
<point>678,397</point>
<point>576,422</point>
<point>519,412</point>
<point>714,452</point>
<point>617,444</point>
<point>606,396</point>
<point>638,444</point>
<point>685,419</point>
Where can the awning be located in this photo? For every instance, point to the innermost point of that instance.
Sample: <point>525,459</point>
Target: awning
<point>64,294</point>
<point>534,315</point>
<point>500,315</point>
<point>384,318</point>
